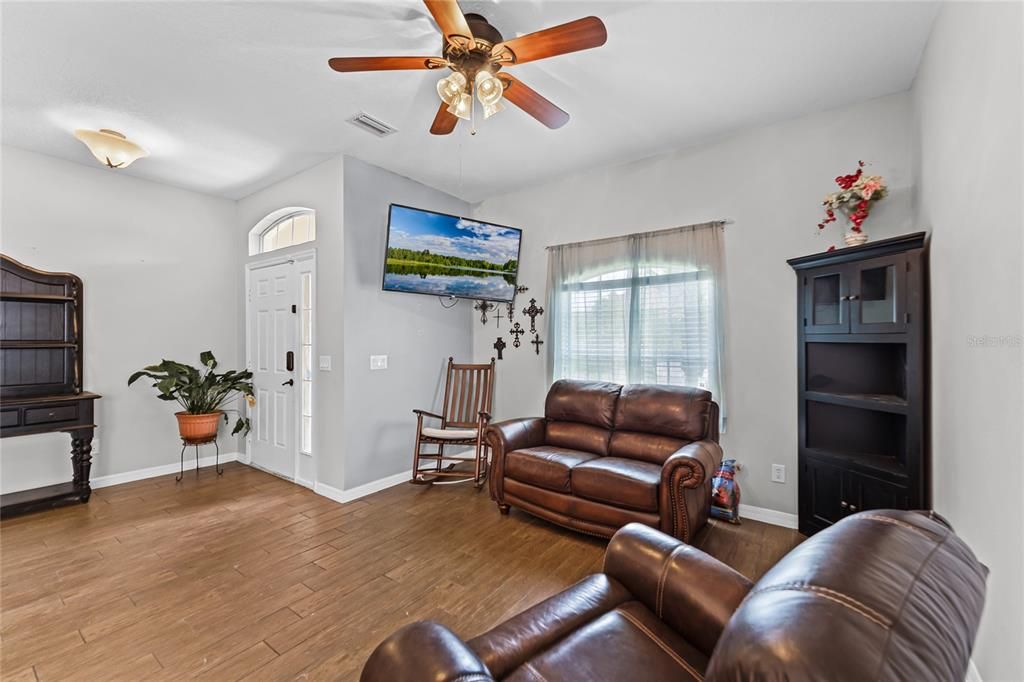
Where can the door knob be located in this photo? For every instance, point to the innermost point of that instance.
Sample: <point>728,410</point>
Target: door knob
<point>290,382</point>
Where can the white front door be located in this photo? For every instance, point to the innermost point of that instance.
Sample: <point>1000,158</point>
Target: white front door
<point>272,319</point>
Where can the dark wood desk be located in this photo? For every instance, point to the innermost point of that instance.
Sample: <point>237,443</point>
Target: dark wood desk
<point>71,414</point>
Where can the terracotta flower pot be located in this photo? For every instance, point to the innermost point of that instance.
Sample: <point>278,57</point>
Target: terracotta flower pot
<point>198,427</point>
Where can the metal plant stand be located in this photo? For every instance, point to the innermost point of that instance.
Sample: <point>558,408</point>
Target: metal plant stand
<point>196,443</point>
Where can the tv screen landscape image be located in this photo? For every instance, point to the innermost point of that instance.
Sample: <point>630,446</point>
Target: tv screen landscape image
<point>445,255</point>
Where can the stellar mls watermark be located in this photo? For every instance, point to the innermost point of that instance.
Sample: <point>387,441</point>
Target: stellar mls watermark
<point>990,341</point>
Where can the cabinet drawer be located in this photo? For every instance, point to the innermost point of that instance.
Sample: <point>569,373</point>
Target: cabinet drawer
<point>46,415</point>
<point>9,418</point>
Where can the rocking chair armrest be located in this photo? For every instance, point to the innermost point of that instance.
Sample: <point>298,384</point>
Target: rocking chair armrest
<point>425,413</point>
<point>485,416</point>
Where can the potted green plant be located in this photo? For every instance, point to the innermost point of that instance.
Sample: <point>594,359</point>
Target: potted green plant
<point>202,394</point>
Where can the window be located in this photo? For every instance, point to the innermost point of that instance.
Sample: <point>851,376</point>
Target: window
<point>281,229</point>
<point>306,362</point>
<point>640,309</point>
<point>669,343</point>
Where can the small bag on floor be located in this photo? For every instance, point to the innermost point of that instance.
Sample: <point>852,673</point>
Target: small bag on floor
<point>725,492</point>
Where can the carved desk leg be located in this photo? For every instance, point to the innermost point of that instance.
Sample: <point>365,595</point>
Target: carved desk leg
<point>81,460</point>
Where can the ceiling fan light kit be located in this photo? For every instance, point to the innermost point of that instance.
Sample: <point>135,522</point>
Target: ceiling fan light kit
<point>475,52</point>
<point>110,147</point>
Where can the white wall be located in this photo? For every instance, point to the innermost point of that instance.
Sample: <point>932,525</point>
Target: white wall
<point>159,282</point>
<point>770,181</point>
<point>967,101</point>
<point>319,188</point>
<point>414,331</point>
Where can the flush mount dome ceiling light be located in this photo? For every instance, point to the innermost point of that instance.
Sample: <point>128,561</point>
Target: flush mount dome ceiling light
<point>110,147</point>
<point>475,52</point>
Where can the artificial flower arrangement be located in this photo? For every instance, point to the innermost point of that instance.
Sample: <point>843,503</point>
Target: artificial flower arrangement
<point>857,192</point>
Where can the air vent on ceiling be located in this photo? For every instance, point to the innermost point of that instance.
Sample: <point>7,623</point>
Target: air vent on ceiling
<point>371,124</point>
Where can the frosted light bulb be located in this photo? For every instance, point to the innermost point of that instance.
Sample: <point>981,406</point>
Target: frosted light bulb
<point>488,88</point>
<point>492,109</point>
<point>461,105</point>
<point>450,87</point>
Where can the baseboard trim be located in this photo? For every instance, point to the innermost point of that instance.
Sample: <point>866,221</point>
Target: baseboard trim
<point>162,470</point>
<point>972,673</point>
<point>343,496</point>
<point>775,518</point>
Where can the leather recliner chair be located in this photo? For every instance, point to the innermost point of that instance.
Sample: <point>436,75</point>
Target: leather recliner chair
<point>605,455</point>
<point>881,595</point>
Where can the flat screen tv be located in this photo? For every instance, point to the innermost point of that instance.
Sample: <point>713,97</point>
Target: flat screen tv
<point>445,255</point>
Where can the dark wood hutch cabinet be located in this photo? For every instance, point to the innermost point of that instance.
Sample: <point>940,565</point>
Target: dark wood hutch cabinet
<point>41,375</point>
<point>862,339</point>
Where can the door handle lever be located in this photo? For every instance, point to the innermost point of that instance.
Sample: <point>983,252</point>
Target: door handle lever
<point>290,382</point>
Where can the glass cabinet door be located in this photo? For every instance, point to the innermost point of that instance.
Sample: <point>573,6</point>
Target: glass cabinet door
<point>826,301</point>
<point>877,298</point>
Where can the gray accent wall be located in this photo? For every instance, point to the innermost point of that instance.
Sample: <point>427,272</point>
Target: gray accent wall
<point>414,331</point>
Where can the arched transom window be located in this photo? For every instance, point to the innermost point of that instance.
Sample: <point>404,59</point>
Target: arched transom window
<point>283,228</point>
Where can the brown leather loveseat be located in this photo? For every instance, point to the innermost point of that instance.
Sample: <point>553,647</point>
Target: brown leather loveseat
<point>605,455</point>
<point>882,595</point>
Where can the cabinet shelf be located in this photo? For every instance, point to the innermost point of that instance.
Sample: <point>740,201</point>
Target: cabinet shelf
<point>884,402</point>
<point>889,466</point>
<point>36,344</point>
<point>35,298</point>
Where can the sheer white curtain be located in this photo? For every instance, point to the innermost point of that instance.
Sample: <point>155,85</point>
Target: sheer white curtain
<point>644,308</point>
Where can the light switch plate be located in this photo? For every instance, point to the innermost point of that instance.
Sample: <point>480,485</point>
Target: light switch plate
<point>778,473</point>
<point>378,362</point>
<point>325,363</point>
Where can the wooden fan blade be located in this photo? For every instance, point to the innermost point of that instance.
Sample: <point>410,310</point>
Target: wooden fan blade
<point>347,64</point>
<point>581,34</point>
<point>450,19</point>
<point>527,99</point>
<point>444,122</point>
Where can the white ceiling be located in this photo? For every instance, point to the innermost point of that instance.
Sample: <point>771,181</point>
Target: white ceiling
<point>232,96</point>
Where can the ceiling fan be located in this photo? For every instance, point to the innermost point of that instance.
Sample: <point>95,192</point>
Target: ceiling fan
<point>475,52</point>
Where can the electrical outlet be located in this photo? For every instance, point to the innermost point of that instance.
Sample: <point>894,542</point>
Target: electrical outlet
<point>778,473</point>
<point>325,363</point>
<point>378,362</point>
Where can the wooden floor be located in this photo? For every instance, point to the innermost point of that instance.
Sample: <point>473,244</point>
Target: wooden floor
<point>249,576</point>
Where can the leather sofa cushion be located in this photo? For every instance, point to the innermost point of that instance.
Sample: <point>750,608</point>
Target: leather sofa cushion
<point>577,436</point>
<point>643,446</point>
<point>586,402</point>
<point>572,511</point>
<point>675,411</point>
<point>626,482</point>
<point>545,466</point>
<point>627,643</point>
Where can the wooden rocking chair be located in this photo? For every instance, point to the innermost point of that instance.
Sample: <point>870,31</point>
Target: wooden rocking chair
<point>465,415</point>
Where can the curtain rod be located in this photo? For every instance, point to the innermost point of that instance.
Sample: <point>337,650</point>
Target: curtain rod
<point>711,223</point>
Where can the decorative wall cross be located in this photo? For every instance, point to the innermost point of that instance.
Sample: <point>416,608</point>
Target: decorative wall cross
<point>511,310</point>
<point>536,342</point>
<point>533,312</point>
<point>484,307</point>
<point>499,346</point>
<point>517,331</point>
